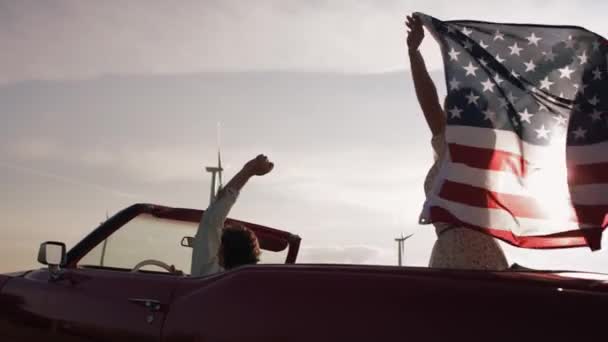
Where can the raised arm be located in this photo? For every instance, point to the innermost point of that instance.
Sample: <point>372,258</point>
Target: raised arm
<point>426,92</point>
<point>218,210</point>
<point>258,166</point>
<point>208,237</point>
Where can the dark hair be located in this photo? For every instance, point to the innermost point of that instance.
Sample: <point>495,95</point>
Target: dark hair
<point>239,247</point>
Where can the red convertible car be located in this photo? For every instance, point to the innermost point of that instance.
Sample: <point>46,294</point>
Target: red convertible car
<point>128,281</point>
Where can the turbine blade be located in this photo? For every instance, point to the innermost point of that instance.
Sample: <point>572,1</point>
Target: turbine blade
<point>219,166</point>
<point>219,154</point>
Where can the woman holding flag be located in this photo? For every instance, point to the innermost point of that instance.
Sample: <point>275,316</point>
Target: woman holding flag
<point>456,247</point>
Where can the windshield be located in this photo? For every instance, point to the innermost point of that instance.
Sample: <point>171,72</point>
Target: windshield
<point>147,237</point>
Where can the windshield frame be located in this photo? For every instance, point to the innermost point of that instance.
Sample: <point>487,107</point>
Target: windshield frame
<point>270,239</point>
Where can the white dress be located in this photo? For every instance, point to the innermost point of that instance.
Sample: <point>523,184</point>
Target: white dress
<point>460,247</point>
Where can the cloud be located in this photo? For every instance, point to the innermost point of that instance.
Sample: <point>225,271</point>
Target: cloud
<point>362,178</point>
<point>157,129</point>
<point>162,37</point>
<point>68,180</point>
<point>34,148</point>
<point>77,39</point>
<point>158,163</point>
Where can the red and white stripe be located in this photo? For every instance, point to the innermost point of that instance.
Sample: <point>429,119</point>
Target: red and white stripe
<point>523,194</point>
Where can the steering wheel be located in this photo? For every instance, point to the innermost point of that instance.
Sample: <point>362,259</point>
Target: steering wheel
<point>170,269</point>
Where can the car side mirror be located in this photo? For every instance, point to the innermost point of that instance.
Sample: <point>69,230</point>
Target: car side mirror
<point>187,241</point>
<point>52,253</point>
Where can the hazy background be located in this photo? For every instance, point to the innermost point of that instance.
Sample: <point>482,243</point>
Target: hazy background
<point>105,104</point>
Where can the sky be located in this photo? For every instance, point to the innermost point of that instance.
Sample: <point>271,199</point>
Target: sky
<point>106,104</point>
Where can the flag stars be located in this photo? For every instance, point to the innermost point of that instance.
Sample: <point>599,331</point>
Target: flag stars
<point>503,103</point>
<point>471,69</point>
<point>498,80</point>
<point>515,49</point>
<point>472,98</point>
<point>453,55</point>
<point>542,133</point>
<point>580,87</point>
<point>488,85</point>
<point>596,115</point>
<point>565,72</point>
<point>530,66</point>
<point>455,112</point>
<point>525,116</point>
<point>466,31</point>
<point>489,114</point>
<point>559,71</point>
<point>582,58</point>
<point>533,39</point>
<point>594,101</point>
<point>561,121</point>
<point>546,83</point>
<point>579,133</point>
<point>499,36</point>
<point>454,84</point>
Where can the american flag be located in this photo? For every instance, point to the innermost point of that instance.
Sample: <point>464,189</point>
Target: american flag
<point>527,133</point>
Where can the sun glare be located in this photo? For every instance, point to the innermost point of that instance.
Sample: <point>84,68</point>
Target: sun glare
<point>547,181</point>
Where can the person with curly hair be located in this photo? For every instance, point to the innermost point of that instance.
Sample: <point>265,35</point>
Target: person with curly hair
<point>217,248</point>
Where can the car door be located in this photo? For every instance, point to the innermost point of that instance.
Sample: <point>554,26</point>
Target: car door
<point>95,304</point>
<point>23,311</point>
<point>111,305</point>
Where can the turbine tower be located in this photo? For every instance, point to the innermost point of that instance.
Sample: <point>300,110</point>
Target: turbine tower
<point>105,243</point>
<point>216,171</point>
<point>401,248</point>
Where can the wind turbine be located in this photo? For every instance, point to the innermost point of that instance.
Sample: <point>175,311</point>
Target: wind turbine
<point>216,170</point>
<point>401,247</point>
<point>105,243</point>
